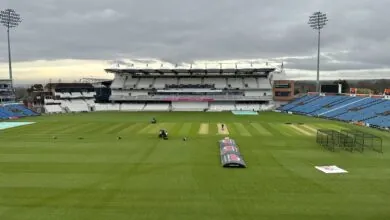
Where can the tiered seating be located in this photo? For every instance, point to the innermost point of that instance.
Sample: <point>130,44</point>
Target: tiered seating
<point>52,101</point>
<point>219,107</point>
<point>358,103</point>
<point>132,107</point>
<point>161,82</point>
<point>15,110</point>
<point>248,107</point>
<point>156,107</point>
<point>119,93</point>
<point>118,82</point>
<point>89,94</point>
<point>76,95</point>
<point>250,83</point>
<point>145,83</point>
<point>107,107</point>
<point>189,106</point>
<point>76,106</point>
<point>53,109</point>
<point>296,102</point>
<point>22,109</point>
<point>340,107</point>
<point>220,83</point>
<point>3,114</point>
<point>314,105</point>
<point>90,102</point>
<point>130,83</point>
<point>191,81</point>
<point>356,109</point>
<point>366,113</point>
<point>264,83</point>
<point>267,107</point>
<point>235,83</point>
<point>381,121</point>
<point>63,94</point>
<point>189,86</point>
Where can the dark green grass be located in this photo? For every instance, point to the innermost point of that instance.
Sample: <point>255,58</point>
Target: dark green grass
<point>142,177</point>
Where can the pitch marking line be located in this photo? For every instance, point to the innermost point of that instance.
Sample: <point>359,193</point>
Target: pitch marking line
<point>301,130</point>
<point>223,131</point>
<point>242,130</point>
<point>204,129</point>
<point>261,129</point>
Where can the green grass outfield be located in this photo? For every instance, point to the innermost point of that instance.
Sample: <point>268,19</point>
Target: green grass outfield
<point>143,177</point>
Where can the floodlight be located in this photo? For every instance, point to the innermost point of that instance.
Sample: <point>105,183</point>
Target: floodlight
<point>317,21</point>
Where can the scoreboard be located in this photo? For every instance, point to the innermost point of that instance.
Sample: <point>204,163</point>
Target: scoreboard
<point>330,88</point>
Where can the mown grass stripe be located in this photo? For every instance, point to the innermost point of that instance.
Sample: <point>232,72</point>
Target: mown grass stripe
<point>146,128</point>
<point>156,128</point>
<point>130,128</point>
<point>291,130</point>
<point>308,128</point>
<point>232,130</point>
<point>185,128</point>
<point>213,129</point>
<point>114,129</point>
<point>96,128</point>
<point>176,128</point>
<point>56,129</point>
<point>242,130</point>
<point>75,129</point>
<point>301,130</point>
<point>194,131</point>
<point>260,129</point>
<point>330,126</point>
<point>280,128</point>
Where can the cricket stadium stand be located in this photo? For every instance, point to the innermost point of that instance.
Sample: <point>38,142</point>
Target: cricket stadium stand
<point>8,108</point>
<point>367,110</point>
<point>208,87</point>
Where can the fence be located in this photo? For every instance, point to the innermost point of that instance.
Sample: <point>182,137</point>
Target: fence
<point>350,140</point>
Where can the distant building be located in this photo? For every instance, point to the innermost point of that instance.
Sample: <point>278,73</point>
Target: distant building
<point>6,92</point>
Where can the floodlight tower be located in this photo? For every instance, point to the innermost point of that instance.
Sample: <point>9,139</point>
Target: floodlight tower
<point>10,19</point>
<point>317,21</point>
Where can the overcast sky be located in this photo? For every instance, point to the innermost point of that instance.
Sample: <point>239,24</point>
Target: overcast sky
<point>71,39</point>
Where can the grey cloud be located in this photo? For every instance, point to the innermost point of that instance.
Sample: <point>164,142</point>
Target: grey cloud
<point>186,30</point>
<point>328,63</point>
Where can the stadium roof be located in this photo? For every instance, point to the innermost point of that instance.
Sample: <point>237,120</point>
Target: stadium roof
<point>247,68</point>
<point>69,85</point>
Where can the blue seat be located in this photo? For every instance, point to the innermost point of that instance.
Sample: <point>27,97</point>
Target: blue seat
<point>345,108</point>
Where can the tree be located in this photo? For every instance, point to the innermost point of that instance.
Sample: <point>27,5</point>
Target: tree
<point>35,88</point>
<point>20,93</point>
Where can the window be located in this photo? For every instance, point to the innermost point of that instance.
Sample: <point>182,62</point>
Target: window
<point>282,86</point>
<point>283,94</point>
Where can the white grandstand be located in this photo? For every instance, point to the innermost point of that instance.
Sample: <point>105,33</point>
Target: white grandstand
<point>69,97</point>
<point>208,87</point>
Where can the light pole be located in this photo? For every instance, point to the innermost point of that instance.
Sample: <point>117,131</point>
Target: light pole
<point>10,19</point>
<point>317,21</point>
